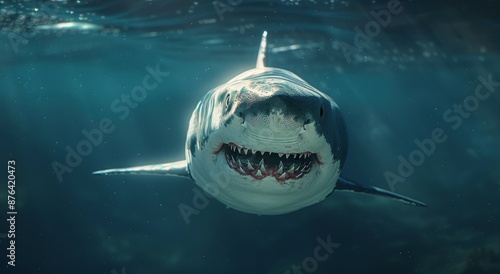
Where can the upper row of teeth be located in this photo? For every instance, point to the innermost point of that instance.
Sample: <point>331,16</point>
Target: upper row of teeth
<point>287,155</point>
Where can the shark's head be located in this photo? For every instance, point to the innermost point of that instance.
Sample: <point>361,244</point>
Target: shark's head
<point>266,142</point>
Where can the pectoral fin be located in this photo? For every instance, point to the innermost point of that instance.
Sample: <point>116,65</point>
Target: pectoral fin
<point>169,169</point>
<point>347,185</point>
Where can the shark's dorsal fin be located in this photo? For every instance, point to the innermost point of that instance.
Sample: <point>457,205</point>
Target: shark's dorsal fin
<point>173,169</point>
<point>261,57</point>
<point>348,185</point>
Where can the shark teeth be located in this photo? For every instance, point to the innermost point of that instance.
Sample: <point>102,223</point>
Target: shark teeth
<point>281,165</point>
<point>249,165</point>
<point>246,151</point>
<point>280,170</point>
<point>261,166</point>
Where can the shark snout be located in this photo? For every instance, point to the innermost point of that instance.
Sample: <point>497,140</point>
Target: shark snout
<point>281,114</point>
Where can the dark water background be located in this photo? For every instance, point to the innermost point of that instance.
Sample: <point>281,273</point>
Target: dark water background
<point>58,79</point>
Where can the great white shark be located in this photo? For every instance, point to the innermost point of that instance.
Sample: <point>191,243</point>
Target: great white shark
<point>268,141</point>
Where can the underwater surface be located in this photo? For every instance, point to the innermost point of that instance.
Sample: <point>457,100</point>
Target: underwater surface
<point>404,74</point>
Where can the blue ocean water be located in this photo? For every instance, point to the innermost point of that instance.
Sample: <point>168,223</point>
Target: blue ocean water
<point>416,81</point>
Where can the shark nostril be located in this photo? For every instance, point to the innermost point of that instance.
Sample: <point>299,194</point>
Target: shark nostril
<point>240,114</point>
<point>306,122</point>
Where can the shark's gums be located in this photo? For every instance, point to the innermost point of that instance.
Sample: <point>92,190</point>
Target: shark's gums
<point>270,142</point>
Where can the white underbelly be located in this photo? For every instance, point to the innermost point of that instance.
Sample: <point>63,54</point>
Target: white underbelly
<point>266,196</point>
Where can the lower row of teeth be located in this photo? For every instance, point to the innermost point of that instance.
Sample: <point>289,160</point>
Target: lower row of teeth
<point>281,172</point>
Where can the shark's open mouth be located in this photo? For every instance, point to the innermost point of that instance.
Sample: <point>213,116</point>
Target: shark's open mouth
<point>260,164</point>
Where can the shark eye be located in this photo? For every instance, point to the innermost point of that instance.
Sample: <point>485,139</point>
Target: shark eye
<point>228,97</point>
<point>321,111</point>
